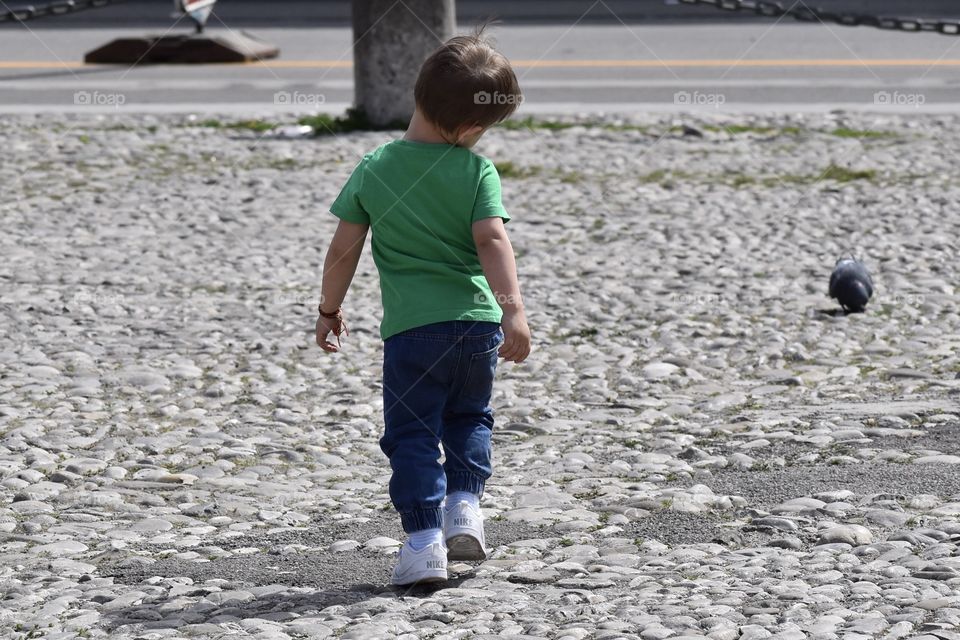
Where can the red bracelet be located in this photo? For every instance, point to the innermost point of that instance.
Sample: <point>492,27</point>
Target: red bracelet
<point>338,316</point>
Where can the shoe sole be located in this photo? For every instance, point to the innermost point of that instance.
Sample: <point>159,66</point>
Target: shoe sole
<point>426,577</point>
<point>464,547</point>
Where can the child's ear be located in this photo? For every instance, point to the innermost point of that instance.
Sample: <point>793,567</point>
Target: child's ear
<point>469,132</point>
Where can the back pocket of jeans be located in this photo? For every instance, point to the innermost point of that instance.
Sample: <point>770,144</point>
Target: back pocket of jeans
<point>478,385</point>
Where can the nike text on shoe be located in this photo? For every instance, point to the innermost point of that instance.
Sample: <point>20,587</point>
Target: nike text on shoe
<point>426,566</point>
<point>463,532</point>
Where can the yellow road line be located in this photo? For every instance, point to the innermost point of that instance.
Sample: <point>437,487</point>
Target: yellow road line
<point>567,64</point>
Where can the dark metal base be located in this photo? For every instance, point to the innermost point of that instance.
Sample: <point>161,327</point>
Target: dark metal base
<point>197,48</point>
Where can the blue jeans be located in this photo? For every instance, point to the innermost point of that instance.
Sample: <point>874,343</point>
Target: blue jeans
<point>437,382</point>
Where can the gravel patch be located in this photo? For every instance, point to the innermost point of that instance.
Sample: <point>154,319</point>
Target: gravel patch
<point>699,446</point>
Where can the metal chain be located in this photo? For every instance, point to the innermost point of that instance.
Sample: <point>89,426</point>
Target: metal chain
<point>22,14</point>
<point>806,13</point>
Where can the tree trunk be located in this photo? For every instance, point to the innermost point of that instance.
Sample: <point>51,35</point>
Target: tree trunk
<point>391,40</point>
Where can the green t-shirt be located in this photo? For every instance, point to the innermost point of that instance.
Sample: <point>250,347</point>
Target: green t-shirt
<point>421,201</point>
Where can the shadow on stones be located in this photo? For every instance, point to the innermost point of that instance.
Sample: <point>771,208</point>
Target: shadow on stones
<point>282,560</point>
<point>834,312</point>
<point>279,606</point>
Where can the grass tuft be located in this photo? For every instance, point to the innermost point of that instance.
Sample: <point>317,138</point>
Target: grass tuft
<point>531,124</point>
<point>509,169</point>
<point>258,126</point>
<point>353,120</point>
<point>844,132</point>
<point>843,174</point>
<point>323,124</point>
<point>528,123</point>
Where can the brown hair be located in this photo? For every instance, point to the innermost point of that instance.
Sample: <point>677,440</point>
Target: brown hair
<point>466,82</point>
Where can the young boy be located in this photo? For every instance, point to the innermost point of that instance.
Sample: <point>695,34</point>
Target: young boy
<point>451,300</point>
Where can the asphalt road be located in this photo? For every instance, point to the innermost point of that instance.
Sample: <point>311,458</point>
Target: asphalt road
<point>563,68</point>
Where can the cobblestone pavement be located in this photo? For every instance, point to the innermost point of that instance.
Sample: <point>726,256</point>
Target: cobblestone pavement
<point>700,445</point>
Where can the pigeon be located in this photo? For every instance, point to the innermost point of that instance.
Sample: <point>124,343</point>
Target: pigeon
<point>850,284</point>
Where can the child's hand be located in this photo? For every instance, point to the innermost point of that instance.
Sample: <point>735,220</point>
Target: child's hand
<point>516,337</point>
<point>327,325</point>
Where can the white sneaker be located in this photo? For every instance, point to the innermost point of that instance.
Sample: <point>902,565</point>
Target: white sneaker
<point>463,532</point>
<point>422,566</point>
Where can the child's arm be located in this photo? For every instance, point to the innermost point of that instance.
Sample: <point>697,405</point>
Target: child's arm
<point>500,268</point>
<point>338,269</point>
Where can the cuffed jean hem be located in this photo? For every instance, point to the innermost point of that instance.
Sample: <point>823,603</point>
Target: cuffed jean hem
<point>421,519</point>
<point>465,481</point>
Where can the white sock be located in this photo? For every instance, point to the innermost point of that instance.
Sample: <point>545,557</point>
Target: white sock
<point>425,537</point>
<point>463,496</point>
